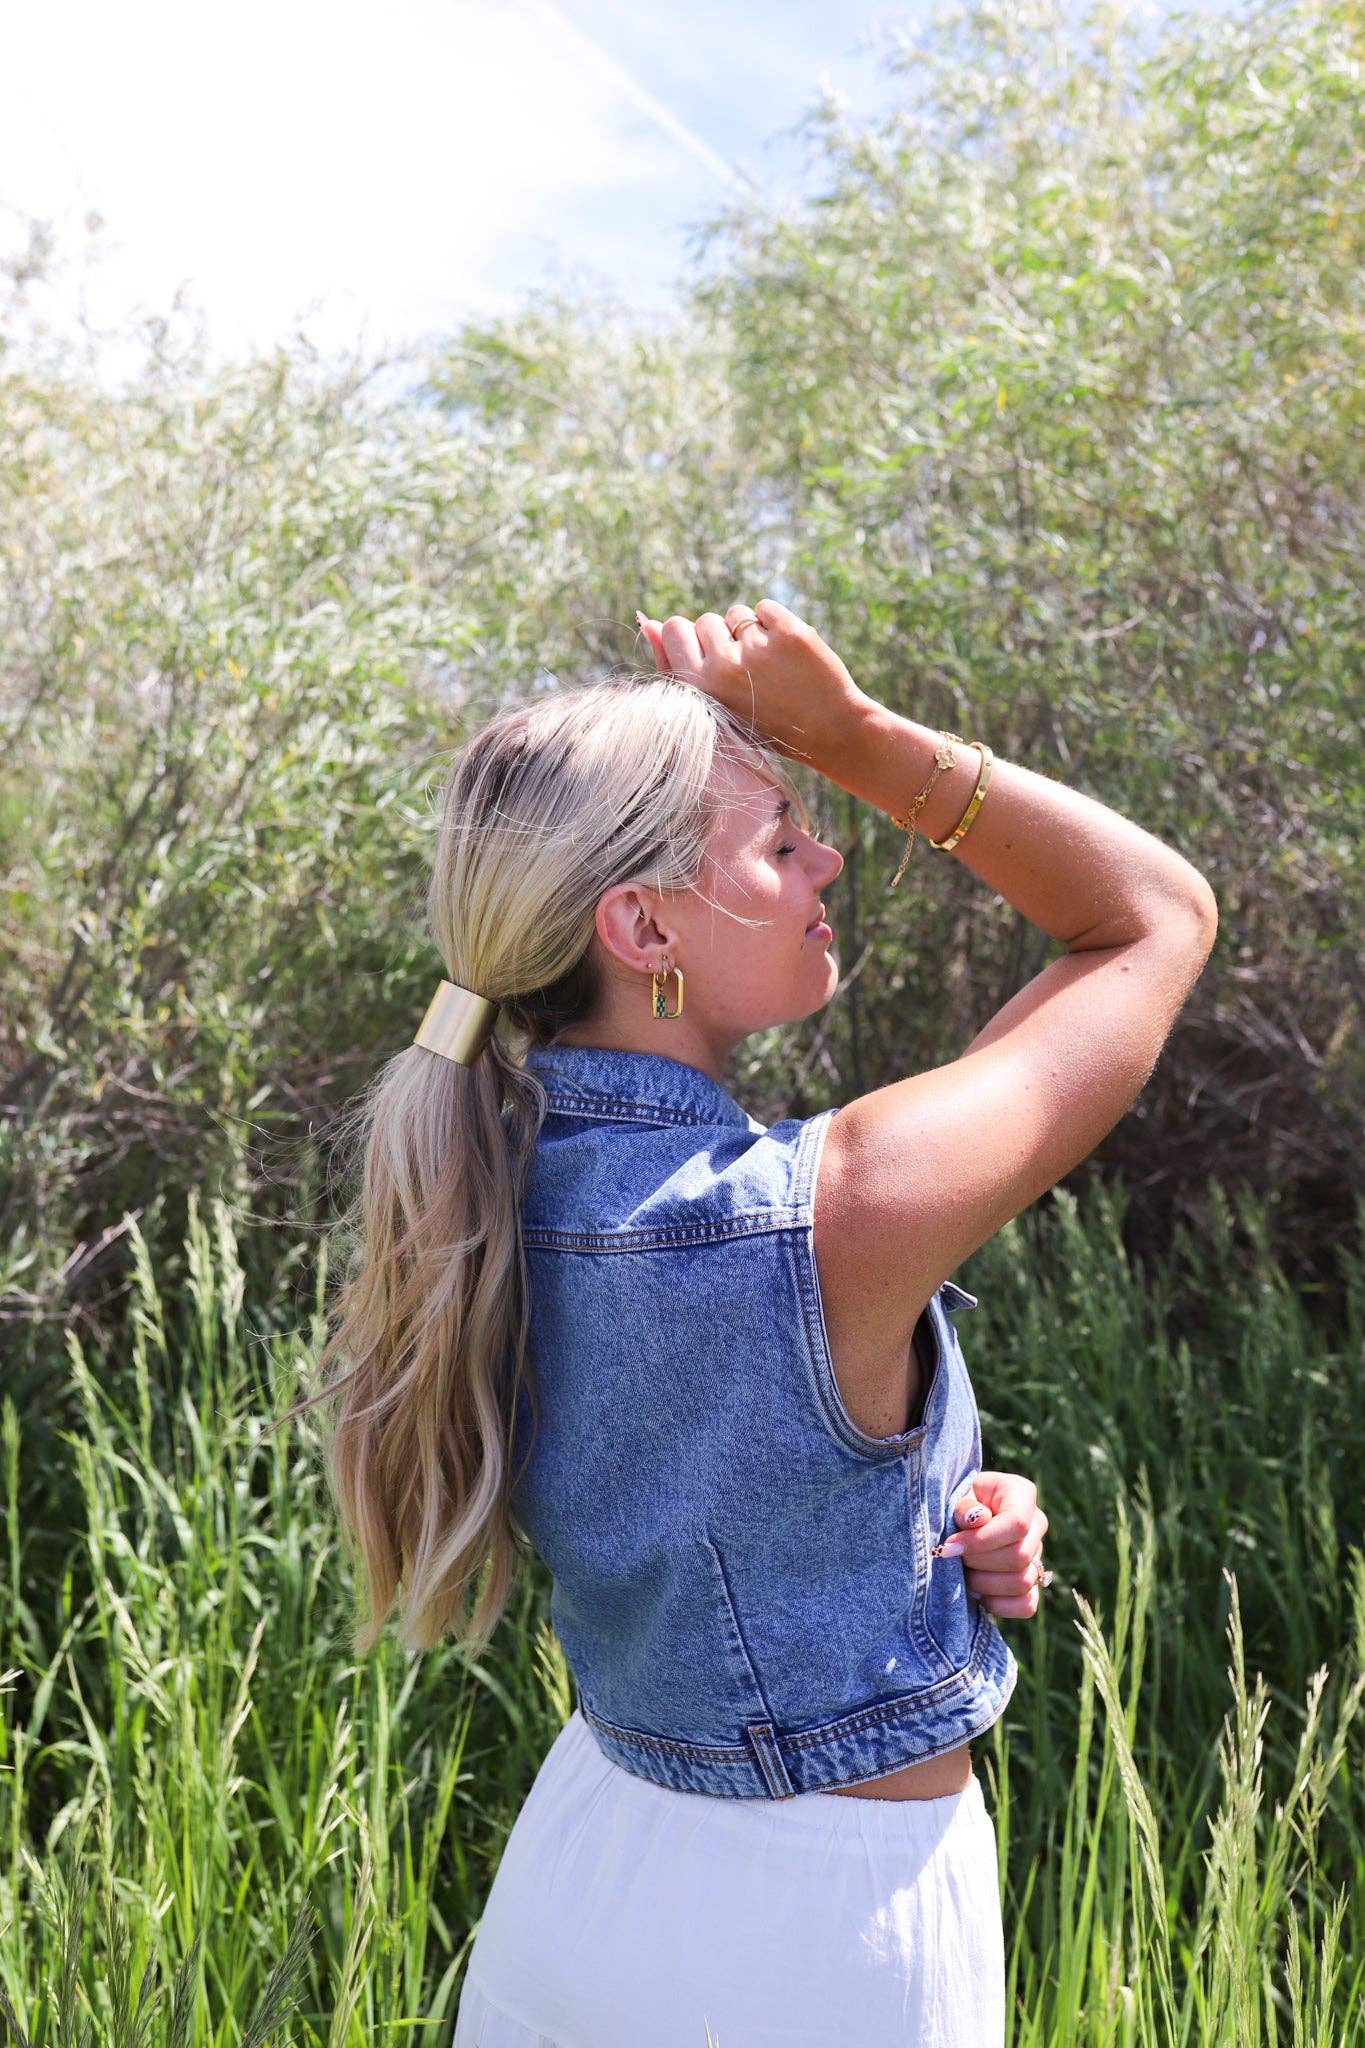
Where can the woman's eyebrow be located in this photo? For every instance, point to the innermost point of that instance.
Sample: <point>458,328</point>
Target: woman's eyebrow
<point>783,807</point>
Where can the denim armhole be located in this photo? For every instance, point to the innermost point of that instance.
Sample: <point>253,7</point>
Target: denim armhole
<point>810,1134</point>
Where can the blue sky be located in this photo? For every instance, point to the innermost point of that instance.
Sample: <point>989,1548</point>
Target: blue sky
<point>371,173</point>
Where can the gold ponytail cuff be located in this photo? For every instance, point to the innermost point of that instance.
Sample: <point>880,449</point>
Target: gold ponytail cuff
<point>458,1023</point>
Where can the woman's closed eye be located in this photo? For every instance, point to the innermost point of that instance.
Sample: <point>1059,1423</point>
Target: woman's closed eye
<point>786,849</point>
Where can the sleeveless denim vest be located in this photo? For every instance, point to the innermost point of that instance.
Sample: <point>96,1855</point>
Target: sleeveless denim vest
<point>742,1580</point>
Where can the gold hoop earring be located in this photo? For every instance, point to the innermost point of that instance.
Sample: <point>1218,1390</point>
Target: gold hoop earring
<point>658,998</point>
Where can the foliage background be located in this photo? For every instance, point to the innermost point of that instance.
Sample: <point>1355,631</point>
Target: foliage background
<point>1047,410</point>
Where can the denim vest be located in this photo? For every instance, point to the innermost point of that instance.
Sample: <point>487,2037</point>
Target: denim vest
<point>742,1580</point>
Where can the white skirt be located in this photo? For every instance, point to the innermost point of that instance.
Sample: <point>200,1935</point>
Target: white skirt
<point>625,1914</point>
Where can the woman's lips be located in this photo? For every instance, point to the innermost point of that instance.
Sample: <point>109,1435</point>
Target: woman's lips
<point>819,930</point>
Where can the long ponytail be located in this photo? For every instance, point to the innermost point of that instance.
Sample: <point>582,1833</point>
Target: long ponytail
<point>545,807</point>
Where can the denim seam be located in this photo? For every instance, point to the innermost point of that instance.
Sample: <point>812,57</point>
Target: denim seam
<point>954,1496</point>
<point>872,1450</point>
<point>928,1624</point>
<point>944,1689</point>
<point>927,1644</point>
<point>622,1110</point>
<point>810,1145</point>
<point>740,1637</point>
<point>663,1236</point>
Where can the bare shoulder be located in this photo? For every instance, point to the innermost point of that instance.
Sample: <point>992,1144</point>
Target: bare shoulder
<point>915,1176</point>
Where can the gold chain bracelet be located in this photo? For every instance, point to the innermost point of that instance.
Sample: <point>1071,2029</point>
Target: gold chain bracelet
<point>944,757</point>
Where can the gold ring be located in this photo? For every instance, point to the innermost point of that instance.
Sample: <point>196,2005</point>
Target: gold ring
<point>752,620</point>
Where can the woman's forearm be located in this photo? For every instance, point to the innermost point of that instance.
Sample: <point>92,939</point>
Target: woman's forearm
<point>1080,871</point>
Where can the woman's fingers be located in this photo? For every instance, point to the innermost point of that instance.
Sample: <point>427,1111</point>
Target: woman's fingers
<point>1003,1585</point>
<point>653,633</point>
<point>1008,1580</point>
<point>1013,1550</point>
<point>1002,1554</point>
<point>1014,1530</point>
<point>775,618</point>
<point>793,688</point>
<point>718,643</point>
<point>682,649</point>
<point>1016,1610</point>
<point>1006,1492</point>
<point>969,1509</point>
<point>749,635</point>
<point>714,637</point>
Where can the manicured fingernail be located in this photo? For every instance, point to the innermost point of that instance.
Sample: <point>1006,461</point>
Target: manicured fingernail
<point>1046,1579</point>
<point>977,1514</point>
<point>954,1547</point>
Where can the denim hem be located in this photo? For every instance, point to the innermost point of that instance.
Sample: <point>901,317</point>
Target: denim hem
<point>868,1742</point>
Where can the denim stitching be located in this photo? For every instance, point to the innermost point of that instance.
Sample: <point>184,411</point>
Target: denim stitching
<point>622,1109</point>
<point>941,1691</point>
<point>927,1644</point>
<point>767,1750</point>
<point>740,1637</point>
<point>662,1236</point>
<point>846,1432</point>
<point>954,1496</point>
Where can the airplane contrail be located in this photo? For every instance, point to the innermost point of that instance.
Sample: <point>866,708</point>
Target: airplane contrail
<point>730,174</point>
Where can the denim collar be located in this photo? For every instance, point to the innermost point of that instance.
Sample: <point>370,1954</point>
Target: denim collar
<point>588,1080</point>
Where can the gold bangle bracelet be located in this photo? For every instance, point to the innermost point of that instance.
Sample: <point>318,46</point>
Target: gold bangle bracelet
<point>944,757</point>
<point>963,824</point>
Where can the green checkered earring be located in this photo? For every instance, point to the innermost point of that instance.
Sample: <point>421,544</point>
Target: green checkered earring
<point>658,997</point>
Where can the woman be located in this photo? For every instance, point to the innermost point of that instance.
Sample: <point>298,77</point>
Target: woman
<point>705,1366</point>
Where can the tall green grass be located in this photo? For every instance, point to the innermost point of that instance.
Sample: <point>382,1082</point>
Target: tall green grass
<point>215,1825</point>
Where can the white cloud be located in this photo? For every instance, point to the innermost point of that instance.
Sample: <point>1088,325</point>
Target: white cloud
<point>376,165</point>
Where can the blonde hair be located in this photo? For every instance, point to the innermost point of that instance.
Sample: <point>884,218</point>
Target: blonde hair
<point>546,806</point>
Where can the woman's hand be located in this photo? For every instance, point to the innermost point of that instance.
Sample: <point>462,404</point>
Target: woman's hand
<point>1000,1541</point>
<point>779,675</point>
